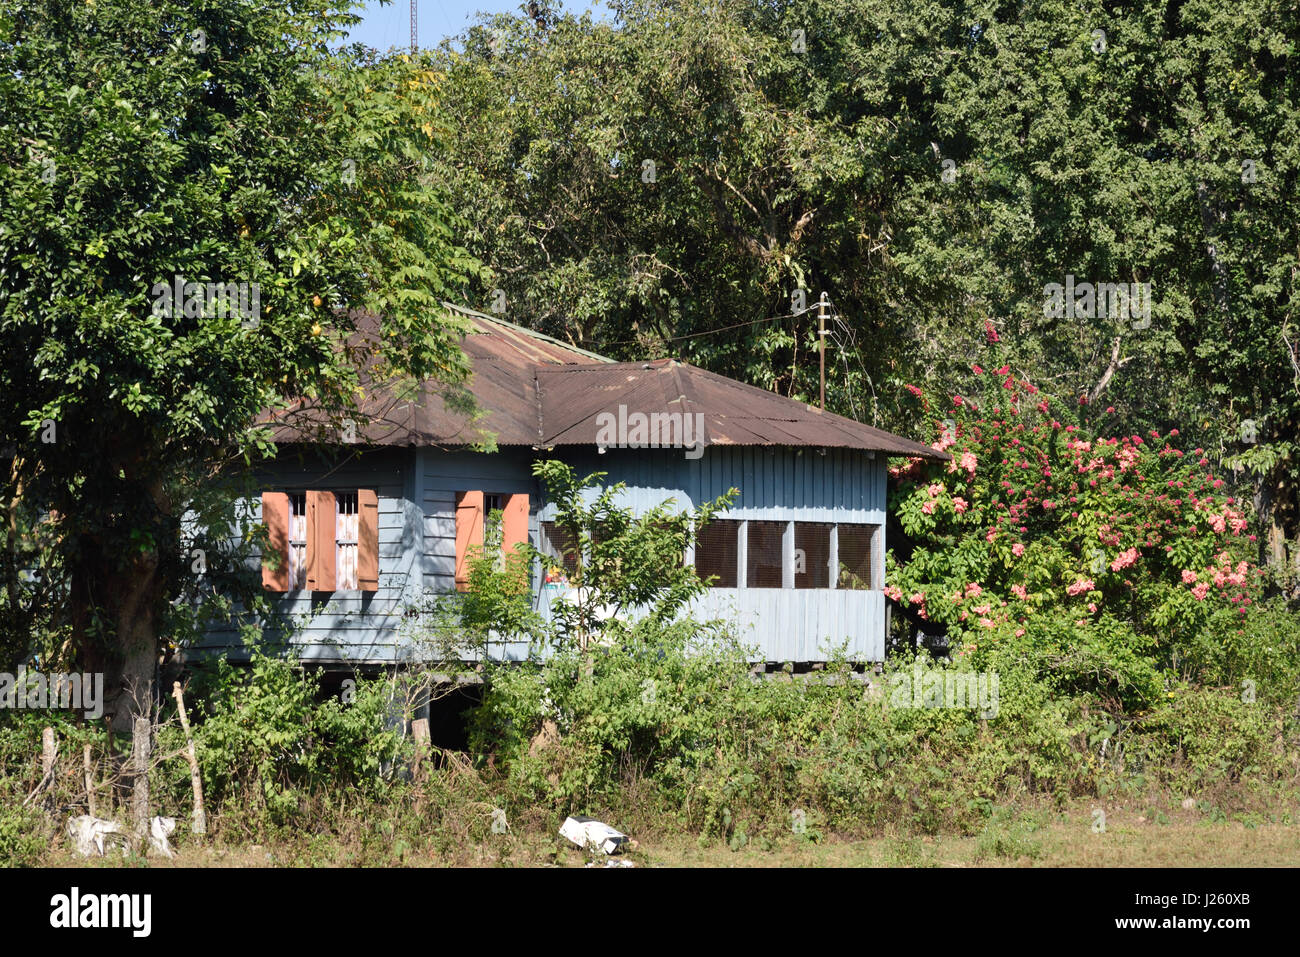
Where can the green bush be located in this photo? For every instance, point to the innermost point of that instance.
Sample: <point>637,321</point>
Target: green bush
<point>25,835</point>
<point>266,740</point>
<point>663,720</point>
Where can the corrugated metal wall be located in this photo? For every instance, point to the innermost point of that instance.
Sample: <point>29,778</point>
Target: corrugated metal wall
<point>787,624</point>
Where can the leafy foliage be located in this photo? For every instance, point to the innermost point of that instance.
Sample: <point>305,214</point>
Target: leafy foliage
<point>933,168</point>
<point>222,143</point>
<point>268,738</point>
<point>626,565</point>
<point>1110,561</point>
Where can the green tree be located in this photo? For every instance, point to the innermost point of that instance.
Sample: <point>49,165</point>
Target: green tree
<point>934,168</point>
<point>220,142</point>
<point>626,567</point>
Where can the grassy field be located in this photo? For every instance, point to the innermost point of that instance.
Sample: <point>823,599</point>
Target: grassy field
<point>1133,837</point>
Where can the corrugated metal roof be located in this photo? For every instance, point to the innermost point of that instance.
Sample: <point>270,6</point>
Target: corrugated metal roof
<point>518,342</point>
<point>574,397</point>
<point>536,391</point>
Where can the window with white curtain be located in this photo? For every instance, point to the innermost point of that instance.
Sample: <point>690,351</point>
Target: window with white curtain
<point>298,540</point>
<point>345,571</point>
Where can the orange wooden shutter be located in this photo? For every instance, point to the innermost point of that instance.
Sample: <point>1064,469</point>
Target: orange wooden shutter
<point>514,522</point>
<point>275,513</point>
<point>368,539</point>
<point>322,537</point>
<point>469,533</point>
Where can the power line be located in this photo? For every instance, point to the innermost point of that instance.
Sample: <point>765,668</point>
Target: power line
<point>707,332</point>
<point>844,347</point>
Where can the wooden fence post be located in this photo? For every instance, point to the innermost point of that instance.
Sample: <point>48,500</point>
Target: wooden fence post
<point>49,757</point>
<point>90,780</point>
<point>420,734</point>
<point>200,823</point>
<point>140,785</point>
<point>49,752</point>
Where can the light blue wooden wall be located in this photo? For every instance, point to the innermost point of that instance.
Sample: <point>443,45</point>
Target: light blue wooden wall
<point>776,484</point>
<point>417,489</point>
<point>441,476</point>
<point>350,625</point>
<point>788,484</point>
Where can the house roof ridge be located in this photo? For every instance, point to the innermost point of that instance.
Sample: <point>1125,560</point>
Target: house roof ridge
<point>524,330</point>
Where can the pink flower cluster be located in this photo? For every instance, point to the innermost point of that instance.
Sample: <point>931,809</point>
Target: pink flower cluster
<point>1224,575</point>
<point>1124,559</point>
<point>965,461</point>
<point>1027,478</point>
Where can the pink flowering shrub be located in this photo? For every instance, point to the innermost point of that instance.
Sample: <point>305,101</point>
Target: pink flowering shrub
<point>1104,556</point>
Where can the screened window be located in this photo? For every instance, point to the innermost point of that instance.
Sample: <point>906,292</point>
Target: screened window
<point>559,542</point>
<point>812,554</point>
<point>764,554</point>
<point>717,547</point>
<point>855,555</point>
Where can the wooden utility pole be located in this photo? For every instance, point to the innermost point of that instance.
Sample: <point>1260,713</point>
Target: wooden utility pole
<point>821,345</point>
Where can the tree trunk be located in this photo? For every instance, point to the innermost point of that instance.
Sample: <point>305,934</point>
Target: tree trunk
<point>128,658</point>
<point>1277,502</point>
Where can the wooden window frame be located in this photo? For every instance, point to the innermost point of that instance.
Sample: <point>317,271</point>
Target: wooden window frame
<point>473,507</point>
<point>323,543</point>
<point>788,539</point>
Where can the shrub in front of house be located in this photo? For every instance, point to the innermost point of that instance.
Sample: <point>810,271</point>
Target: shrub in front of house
<point>1121,565</point>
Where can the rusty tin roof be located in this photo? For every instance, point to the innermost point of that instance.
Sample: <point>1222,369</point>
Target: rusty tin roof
<point>535,391</point>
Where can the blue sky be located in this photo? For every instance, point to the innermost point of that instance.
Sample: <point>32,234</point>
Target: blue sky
<point>388,25</point>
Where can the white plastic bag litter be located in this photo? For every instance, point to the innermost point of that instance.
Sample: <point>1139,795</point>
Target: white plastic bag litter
<point>588,832</point>
<point>93,835</point>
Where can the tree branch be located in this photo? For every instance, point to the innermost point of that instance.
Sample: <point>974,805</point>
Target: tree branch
<point>1116,363</point>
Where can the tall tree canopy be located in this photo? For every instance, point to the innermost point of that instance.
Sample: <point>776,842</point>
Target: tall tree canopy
<point>148,144</point>
<point>662,182</point>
